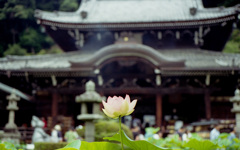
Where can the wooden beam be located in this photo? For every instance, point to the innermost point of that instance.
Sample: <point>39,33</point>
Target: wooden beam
<point>207,104</point>
<point>158,110</point>
<point>54,107</point>
<point>134,90</point>
<point>162,91</point>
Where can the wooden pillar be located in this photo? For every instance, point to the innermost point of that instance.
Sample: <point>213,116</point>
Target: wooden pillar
<point>158,110</point>
<point>207,104</point>
<point>54,107</point>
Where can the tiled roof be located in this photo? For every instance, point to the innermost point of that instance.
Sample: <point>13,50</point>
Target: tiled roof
<point>194,59</point>
<point>205,59</point>
<point>136,11</point>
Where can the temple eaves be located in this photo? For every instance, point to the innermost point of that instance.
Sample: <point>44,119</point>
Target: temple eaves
<point>143,11</point>
<point>180,59</point>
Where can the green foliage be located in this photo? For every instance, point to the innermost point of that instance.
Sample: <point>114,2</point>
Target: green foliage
<point>15,10</point>
<point>99,146</point>
<point>31,40</point>
<point>152,130</point>
<point>223,141</point>
<point>233,45</point>
<point>196,143</point>
<point>235,37</point>
<point>235,145</point>
<point>135,145</point>
<point>15,49</point>
<point>53,50</point>
<point>18,26</point>
<point>201,144</point>
<point>228,3</point>
<point>46,5</point>
<point>2,147</point>
<point>171,142</point>
<point>49,146</point>
<point>8,146</point>
<point>105,129</point>
<point>75,145</point>
<point>69,5</point>
<point>21,12</point>
<point>82,145</point>
<point>34,41</point>
<point>196,136</point>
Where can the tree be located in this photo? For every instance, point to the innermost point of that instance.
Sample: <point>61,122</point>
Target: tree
<point>15,49</point>
<point>14,18</point>
<point>233,45</point>
<point>229,3</point>
<point>53,50</point>
<point>18,26</point>
<point>34,41</point>
<point>69,5</point>
<point>15,10</point>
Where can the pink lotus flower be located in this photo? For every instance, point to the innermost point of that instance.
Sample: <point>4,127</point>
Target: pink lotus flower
<point>118,107</point>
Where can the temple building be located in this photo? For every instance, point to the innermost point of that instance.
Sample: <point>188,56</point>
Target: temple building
<point>165,53</point>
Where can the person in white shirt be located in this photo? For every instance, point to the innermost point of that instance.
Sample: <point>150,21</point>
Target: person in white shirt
<point>187,135</point>
<point>54,134</point>
<point>215,132</point>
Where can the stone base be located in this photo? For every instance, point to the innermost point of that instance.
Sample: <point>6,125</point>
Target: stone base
<point>89,117</point>
<point>89,131</point>
<point>11,137</point>
<point>10,126</point>
<point>1,134</point>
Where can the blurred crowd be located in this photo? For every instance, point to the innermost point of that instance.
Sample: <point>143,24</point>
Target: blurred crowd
<point>145,130</point>
<point>140,131</point>
<point>55,135</point>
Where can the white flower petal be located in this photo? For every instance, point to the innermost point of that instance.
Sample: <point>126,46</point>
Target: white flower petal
<point>108,114</point>
<point>133,104</point>
<point>127,98</point>
<point>108,108</point>
<point>124,108</point>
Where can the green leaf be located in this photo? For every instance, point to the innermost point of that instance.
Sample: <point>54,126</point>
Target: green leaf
<point>174,142</point>
<point>236,140</point>
<point>75,145</point>
<point>135,145</point>
<point>15,49</point>
<point>152,130</point>
<point>223,135</point>
<point>82,145</point>
<point>2,147</point>
<point>223,143</point>
<point>99,146</point>
<point>69,5</point>
<point>201,145</point>
<point>9,146</point>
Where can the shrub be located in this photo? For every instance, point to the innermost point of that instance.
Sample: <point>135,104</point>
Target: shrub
<point>106,129</point>
<point>48,145</point>
<point>15,49</point>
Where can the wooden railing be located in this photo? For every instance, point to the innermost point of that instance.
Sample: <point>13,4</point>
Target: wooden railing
<point>27,133</point>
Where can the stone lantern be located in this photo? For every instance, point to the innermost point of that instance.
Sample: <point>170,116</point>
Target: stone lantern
<point>236,109</point>
<point>90,109</point>
<point>10,129</point>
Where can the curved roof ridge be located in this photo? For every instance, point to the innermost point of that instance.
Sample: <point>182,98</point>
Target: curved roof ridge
<point>128,50</point>
<point>194,58</point>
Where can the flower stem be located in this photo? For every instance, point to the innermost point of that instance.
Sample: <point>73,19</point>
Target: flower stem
<point>120,132</point>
